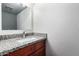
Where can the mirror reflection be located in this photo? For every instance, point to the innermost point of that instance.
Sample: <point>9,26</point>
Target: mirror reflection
<point>16,16</point>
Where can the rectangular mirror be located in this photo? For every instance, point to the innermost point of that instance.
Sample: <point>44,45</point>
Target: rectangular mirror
<point>16,16</point>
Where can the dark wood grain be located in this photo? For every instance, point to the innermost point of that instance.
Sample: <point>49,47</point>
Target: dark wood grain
<point>36,49</point>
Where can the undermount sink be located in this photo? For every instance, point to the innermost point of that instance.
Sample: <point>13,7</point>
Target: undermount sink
<point>27,40</point>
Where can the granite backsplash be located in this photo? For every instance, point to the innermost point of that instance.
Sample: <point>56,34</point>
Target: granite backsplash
<point>4,37</point>
<point>10,36</point>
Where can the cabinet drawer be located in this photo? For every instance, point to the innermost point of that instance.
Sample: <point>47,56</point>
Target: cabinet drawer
<point>39,45</point>
<point>40,52</point>
<point>22,52</point>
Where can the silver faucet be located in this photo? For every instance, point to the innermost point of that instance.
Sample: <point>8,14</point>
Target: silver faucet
<point>24,34</point>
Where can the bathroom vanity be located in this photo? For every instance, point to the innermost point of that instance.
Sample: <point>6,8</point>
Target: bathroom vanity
<point>31,45</point>
<point>17,37</point>
<point>34,49</point>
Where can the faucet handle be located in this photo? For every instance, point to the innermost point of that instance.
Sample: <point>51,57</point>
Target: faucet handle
<point>24,34</point>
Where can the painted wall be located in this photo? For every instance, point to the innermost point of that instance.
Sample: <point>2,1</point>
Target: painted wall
<point>9,21</point>
<point>24,20</point>
<point>61,23</point>
<point>0,18</point>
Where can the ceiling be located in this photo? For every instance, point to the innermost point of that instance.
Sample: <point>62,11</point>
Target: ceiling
<point>14,8</point>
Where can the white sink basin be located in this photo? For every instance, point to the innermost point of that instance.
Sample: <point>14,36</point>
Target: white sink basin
<point>27,40</point>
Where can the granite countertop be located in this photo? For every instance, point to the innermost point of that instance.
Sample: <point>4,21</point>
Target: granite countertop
<point>11,45</point>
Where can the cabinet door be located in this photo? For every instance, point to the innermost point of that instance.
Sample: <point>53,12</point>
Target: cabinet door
<point>40,52</point>
<point>39,49</point>
<point>22,52</point>
<point>39,45</point>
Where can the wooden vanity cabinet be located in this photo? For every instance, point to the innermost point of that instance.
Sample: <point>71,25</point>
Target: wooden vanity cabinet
<point>35,49</point>
<point>22,52</point>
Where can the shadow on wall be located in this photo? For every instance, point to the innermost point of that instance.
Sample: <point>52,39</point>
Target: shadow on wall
<point>49,50</point>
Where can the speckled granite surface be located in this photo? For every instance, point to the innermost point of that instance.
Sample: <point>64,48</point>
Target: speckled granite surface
<point>13,44</point>
<point>4,37</point>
